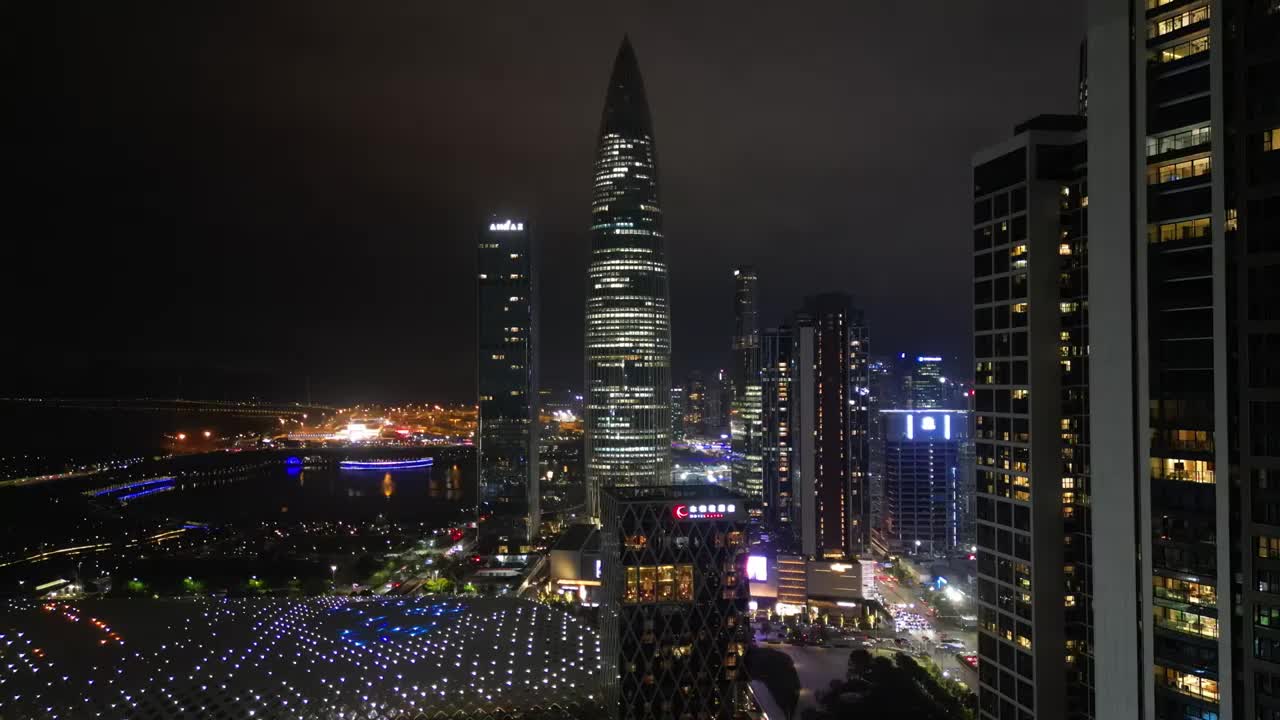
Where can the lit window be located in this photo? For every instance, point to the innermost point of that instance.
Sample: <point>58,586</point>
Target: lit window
<point>1184,230</point>
<point>1196,471</point>
<point>1184,50</point>
<point>1177,22</point>
<point>1271,140</point>
<point>1181,170</point>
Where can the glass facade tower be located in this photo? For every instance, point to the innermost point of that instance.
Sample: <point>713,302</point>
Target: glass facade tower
<point>745,391</point>
<point>777,374</point>
<point>507,379</point>
<point>628,324</point>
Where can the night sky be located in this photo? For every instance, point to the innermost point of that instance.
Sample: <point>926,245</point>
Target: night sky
<point>269,192</point>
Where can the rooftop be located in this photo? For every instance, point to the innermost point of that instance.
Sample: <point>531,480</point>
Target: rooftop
<point>673,492</point>
<point>577,538</point>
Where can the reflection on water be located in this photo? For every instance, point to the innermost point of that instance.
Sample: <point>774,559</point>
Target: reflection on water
<point>332,494</point>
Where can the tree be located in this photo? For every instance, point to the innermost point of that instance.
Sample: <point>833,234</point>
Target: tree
<point>895,689</point>
<point>859,661</point>
<point>437,586</point>
<point>778,673</point>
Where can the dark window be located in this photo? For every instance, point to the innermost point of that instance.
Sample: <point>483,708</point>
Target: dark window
<point>981,265</point>
<point>1264,428</point>
<point>982,238</point>
<point>1018,199</point>
<point>982,211</point>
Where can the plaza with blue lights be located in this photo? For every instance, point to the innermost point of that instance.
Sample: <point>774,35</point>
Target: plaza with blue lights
<point>333,657</point>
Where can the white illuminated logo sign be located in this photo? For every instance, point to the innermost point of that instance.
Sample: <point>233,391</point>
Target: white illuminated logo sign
<point>927,423</point>
<point>506,226</point>
<point>702,512</point>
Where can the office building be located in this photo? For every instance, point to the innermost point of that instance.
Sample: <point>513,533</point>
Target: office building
<point>804,417</point>
<point>1031,485</point>
<point>718,402</point>
<point>695,405</point>
<point>1184,183</point>
<point>925,384</point>
<point>745,391</point>
<point>837,467</point>
<point>507,379</point>
<point>674,624</point>
<point>678,405</point>
<point>628,324</point>
<point>922,480</point>
<point>777,372</point>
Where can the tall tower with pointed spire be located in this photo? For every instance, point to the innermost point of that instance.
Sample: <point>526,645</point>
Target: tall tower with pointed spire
<point>628,323</point>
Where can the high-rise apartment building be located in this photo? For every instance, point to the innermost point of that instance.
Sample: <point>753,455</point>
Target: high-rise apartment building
<point>507,379</point>
<point>1184,379</point>
<point>1031,482</point>
<point>674,623</point>
<point>628,324</point>
<point>922,479</point>
<point>840,452</point>
<point>777,380</point>
<point>744,390</point>
<point>879,374</point>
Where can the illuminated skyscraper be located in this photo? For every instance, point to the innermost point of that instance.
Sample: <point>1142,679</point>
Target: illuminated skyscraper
<point>695,405</point>
<point>1032,486</point>
<point>744,389</point>
<point>628,325</point>
<point>837,461</point>
<point>1183,196</point>
<point>507,379</point>
<point>922,479</point>
<point>777,377</point>
<point>925,384</point>
<point>678,407</point>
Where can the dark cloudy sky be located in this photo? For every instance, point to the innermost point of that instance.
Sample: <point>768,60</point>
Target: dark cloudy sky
<point>290,190</point>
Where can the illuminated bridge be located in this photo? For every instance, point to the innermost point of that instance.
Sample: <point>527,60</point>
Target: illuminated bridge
<point>335,657</point>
